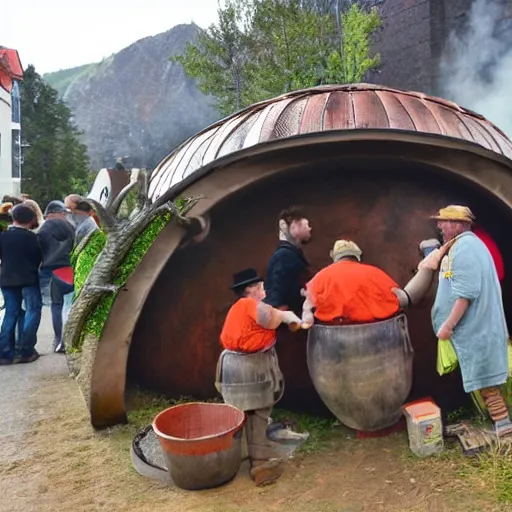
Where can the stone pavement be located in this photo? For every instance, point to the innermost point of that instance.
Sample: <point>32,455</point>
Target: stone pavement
<point>17,384</point>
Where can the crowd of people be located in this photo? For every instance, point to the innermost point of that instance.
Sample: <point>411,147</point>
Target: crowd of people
<point>35,255</point>
<point>468,311</point>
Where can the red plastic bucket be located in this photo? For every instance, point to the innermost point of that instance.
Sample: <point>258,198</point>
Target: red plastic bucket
<point>201,442</point>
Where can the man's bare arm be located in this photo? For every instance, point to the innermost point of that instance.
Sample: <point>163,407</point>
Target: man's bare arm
<point>458,311</point>
<point>271,318</point>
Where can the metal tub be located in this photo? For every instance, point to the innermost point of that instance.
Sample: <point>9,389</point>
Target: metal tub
<point>201,443</point>
<point>363,373</point>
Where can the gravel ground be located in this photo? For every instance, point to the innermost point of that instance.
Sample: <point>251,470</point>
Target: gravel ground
<point>17,383</point>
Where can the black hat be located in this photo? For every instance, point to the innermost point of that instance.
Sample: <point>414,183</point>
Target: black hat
<point>245,278</point>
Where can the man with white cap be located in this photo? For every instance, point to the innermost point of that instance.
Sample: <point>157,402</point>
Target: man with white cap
<point>349,291</point>
<point>468,310</point>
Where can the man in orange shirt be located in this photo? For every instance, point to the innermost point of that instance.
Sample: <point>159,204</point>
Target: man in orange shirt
<point>348,291</point>
<point>248,374</point>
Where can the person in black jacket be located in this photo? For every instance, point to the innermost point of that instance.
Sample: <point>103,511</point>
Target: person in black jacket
<point>288,270</point>
<point>57,238</point>
<point>20,255</point>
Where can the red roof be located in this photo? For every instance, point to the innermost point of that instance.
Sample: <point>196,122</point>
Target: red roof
<point>10,68</point>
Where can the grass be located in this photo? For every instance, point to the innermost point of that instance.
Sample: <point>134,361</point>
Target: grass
<point>488,474</point>
<point>494,467</point>
<point>322,431</point>
<point>143,406</point>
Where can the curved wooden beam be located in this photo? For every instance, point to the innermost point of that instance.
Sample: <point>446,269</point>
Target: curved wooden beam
<point>109,369</point>
<point>469,162</point>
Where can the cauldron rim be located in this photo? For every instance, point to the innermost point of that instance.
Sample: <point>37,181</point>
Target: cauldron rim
<point>231,430</point>
<point>365,324</point>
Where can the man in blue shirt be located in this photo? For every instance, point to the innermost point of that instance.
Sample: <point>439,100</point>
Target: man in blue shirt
<point>468,310</point>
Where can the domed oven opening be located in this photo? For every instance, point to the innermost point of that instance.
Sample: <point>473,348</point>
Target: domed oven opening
<point>383,204</point>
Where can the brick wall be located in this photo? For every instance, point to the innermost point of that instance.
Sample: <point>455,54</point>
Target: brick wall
<point>413,39</point>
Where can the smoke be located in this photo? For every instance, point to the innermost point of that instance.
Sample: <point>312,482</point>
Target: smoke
<point>476,71</point>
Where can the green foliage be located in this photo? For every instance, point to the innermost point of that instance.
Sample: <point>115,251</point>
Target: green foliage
<point>354,61</point>
<point>54,161</point>
<point>128,205</point>
<point>263,48</point>
<point>82,184</point>
<point>322,431</point>
<point>494,467</point>
<point>62,79</point>
<point>220,60</point>
<point>292,47</point>
<point>139,248</point>
<point>84,261</point>
<point>97,319</point>
<point>144,405</point>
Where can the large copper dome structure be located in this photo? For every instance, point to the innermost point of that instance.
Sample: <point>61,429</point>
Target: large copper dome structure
<point>367,163</point>
<point>325,109</point>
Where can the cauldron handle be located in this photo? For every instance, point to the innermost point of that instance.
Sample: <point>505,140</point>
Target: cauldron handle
<point>218,373</point>
<point>402,323</point>
<point>277,377</point>
<point>281,391</point>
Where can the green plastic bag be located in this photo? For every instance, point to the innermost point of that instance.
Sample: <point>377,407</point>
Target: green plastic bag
<point>446,357</point>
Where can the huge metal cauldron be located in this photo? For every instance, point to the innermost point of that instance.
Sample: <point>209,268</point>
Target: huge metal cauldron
<point>363,373</point>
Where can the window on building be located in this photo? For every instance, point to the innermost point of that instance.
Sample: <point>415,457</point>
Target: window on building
<point>15,103</point>
<point>16,154</point>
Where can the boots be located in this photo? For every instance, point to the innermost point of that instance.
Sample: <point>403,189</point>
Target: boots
<point>498,410</point>
<point>265,472</point>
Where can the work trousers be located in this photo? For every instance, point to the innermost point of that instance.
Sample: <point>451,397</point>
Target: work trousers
<point>260,448</point>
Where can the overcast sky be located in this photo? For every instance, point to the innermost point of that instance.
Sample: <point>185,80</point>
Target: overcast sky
<point>59,34</point>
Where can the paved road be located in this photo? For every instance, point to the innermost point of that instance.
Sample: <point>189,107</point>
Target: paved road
<point>17,383</point>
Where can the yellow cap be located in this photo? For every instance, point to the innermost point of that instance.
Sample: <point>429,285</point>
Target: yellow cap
<point>456,213</point>
<point>343,248</point>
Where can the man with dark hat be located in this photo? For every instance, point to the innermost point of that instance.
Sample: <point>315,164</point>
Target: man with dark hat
<point>21,256</point>
<point>57,238</point>
<point>468,310</point>
<point>248,374</point>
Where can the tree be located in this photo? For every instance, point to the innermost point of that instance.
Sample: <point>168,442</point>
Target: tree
<point>353,61</point>
<point>220,61</point>
<point>55,162</point>
<point>121,232</point>
<point>263,48</point>
<point>292,46</point>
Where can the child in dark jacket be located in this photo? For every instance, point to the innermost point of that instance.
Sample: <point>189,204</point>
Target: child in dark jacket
<point>21,256</point>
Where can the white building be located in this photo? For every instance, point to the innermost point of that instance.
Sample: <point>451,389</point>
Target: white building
<point>10,122</point>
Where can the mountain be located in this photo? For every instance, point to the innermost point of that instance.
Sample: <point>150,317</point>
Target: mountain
<point>60,80</point>
<point>136,103</point>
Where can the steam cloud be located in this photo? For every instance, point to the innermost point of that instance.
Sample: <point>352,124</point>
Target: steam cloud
<point>476,71</point>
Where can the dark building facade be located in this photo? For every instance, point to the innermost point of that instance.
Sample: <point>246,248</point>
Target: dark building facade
<point>414,38</point>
